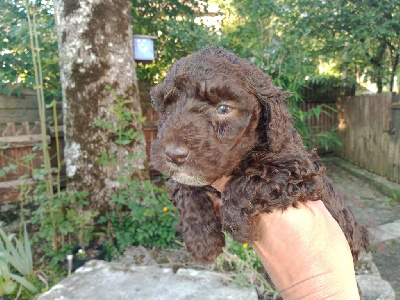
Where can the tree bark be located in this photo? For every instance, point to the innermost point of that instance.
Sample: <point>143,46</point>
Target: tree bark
<point>395,63</point>
<point>378,66</point>
<point>96,49</point>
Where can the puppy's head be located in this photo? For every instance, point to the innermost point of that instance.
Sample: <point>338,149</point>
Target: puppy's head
<point>214,108</point>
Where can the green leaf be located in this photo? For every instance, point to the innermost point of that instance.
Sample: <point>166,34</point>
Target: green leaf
<point>123,142</point>
<point>28,157</point>
<point>3,146</point>
<point>25,283</point>
<point>17,256</point>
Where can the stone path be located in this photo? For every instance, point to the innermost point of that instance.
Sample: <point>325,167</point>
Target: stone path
<point>374,210</point>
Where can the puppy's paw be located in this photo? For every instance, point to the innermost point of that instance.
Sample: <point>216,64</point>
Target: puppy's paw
<point>201,227</point>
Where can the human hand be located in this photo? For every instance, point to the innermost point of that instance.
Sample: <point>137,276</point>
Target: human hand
<point>305,252</point>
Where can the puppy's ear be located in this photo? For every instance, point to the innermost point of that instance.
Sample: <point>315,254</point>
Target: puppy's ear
<point>276,118</point>
<point>157,94</point>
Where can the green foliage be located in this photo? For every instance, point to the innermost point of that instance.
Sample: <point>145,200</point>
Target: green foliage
<point>172,21</point>
<point>20,255</point>
<point>359,35</point>
<point>298,37</point>
<point>244,252</point>
<point>16,59</point>
<point>105,158</point>
<point>258,31</point>
<point>17,254</point>
<point>143,215</point>
<point>326,83</point>
<point>124,132</point>
<point>81,253</point>
<point>44,278</point>
<point>243,260</point>
<point>395,197</point>
<point>6,169</point>
<point>63,219</point>
<point>7,285</point>
<point>110,250</point>
<point>314,137</point>
<point>178,33</point>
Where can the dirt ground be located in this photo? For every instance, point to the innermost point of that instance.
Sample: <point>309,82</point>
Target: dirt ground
<point>371,208</point>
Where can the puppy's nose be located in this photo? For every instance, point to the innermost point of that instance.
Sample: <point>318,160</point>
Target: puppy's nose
<point>176,154</point>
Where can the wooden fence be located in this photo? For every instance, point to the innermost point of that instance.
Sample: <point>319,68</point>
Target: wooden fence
<point>18,109</point>
<point>369,128</point>
<point>20,131</point>
<point>150,125</point>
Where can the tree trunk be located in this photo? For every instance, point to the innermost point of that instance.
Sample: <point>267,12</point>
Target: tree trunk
<point>96,49</point>
<point>395,63</point>
<point>379,82</point>
<point>378,66</point>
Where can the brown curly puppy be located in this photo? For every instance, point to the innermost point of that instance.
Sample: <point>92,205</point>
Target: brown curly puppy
<point>221,116</point>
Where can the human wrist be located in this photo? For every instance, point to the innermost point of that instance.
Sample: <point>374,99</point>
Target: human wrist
<point>305,253</point>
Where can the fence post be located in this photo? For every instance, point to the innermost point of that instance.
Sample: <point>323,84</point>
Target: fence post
<point>394,143</point>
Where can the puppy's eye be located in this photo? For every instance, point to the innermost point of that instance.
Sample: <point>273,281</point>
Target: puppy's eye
<point>223,110</point>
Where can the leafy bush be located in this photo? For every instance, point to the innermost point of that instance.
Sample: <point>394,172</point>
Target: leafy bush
<point>243,252</point>
<point>143,216</point>
<point>63,222</point>
<point>313,136</point>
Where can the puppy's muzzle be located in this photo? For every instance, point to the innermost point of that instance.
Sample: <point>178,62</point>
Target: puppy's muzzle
<point>176,154</point>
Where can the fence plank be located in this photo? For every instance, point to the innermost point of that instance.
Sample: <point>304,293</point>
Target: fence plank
<point>18,116</point>
<point>364,130</point>
<point>19,141</point>
<point>394,145</point>
<point>9,102</point>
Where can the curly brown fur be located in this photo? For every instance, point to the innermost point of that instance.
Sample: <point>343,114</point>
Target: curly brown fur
<point>201,229</point>
<point>250,139</point>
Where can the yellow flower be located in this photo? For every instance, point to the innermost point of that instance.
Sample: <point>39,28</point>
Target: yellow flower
<point>245,245</point>
<point>165,208</point>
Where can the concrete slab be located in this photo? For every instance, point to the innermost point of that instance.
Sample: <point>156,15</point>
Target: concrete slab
<point>386,232</point>
<point>375,288</point>
<point>99,280</point>
<point>365,265</point>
